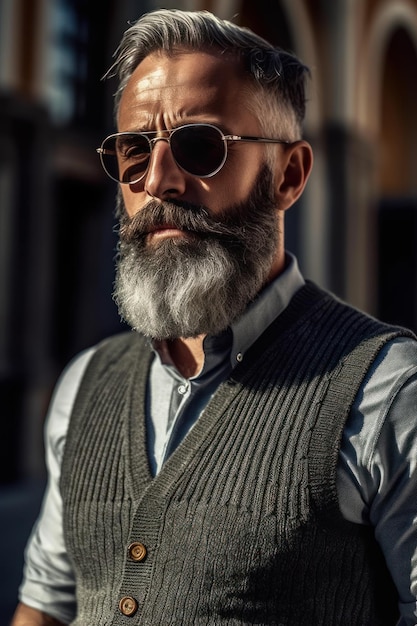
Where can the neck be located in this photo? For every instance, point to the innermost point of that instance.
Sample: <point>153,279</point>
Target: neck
<point>187,355</point>
<point>278,265</point>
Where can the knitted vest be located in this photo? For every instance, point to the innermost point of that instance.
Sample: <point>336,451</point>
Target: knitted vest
<point>242,524</point>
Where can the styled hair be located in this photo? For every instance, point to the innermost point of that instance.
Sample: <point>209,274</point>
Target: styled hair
<point>276,77</point>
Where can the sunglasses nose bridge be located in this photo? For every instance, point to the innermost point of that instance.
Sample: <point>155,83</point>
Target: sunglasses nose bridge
<point>153,141</point>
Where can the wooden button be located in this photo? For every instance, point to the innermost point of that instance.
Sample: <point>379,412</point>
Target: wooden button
<point>128,606</point>
<point>137,551</point>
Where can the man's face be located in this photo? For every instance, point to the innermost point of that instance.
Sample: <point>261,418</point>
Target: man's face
<point>164,93</point>
<point>194,251</point>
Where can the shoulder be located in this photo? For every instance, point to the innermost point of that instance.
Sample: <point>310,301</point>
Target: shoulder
<point>63,398</point>
<point>391,381</point>
<point>383,417</point>
<point>72,378</point>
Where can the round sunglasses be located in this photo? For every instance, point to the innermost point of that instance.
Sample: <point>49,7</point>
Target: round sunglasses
<point>198,149</point>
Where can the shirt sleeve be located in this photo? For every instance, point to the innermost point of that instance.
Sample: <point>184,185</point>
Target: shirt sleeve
<point>377,475</point>
<point>48,581</point>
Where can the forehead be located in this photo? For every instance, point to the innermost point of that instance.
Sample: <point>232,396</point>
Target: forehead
<point>187,85</point>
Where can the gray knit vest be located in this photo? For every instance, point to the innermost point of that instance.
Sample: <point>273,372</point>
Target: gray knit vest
<point>242,524</point>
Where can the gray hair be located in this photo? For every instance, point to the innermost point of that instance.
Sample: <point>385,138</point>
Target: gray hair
<point>276,77</point>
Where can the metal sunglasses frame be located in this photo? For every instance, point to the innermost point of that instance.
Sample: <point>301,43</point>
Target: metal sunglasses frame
<point>152,141</point>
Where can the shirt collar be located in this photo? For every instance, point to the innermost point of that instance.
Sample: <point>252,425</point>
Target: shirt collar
<point>270,303</point>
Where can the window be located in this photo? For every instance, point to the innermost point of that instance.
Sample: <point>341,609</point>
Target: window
<point>68,61</point>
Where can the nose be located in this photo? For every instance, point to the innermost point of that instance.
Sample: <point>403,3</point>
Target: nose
<point>164,178</point>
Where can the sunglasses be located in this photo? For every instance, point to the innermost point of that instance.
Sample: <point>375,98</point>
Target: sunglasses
<point>198,149</point>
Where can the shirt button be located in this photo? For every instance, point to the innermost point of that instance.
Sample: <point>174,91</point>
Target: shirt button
<point>137,551</point>
<point>239,357</point>
<point>128,606</point>
<point>182,389</point>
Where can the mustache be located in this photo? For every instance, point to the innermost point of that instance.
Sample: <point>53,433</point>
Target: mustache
<point>181,215</point>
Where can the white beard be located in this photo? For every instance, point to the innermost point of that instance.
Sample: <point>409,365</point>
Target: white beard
<point>200,283</point>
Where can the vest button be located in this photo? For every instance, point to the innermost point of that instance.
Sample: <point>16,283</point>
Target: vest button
<point>137,551</point>
<point>128,606</point>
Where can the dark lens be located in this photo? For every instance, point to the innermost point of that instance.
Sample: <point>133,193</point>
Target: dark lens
<point>125,157</point>
<point>198,149</point>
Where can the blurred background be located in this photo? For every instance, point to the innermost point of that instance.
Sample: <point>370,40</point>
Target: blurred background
<point>354,231</point>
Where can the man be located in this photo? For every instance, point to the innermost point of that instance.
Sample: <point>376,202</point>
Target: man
<point>248,454</point>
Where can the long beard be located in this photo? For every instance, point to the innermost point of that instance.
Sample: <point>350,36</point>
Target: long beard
<point>200,283</point>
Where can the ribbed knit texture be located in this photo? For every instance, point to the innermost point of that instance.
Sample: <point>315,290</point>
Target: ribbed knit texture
<point>242,525</point>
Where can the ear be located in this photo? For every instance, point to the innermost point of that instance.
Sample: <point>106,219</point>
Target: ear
<point>293,170</point>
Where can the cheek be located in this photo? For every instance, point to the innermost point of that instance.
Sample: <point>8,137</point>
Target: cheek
<point>133,202</point>
<point>234,183</point>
